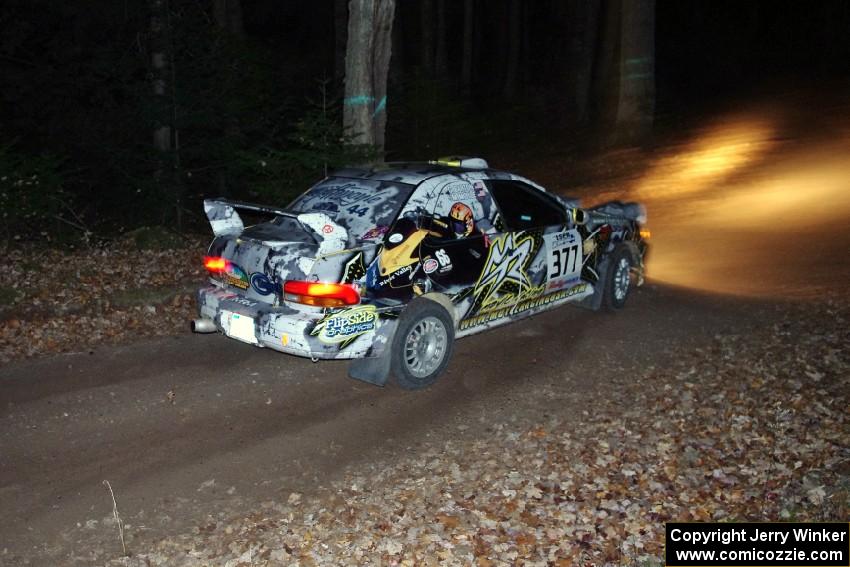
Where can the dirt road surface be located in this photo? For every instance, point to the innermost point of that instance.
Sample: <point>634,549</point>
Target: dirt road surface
<point>184,427</point>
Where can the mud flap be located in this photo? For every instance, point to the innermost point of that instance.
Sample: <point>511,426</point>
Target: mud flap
<point>594,301</point>
<point>375,369</point>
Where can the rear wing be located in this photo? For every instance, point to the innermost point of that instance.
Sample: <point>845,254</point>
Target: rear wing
<point>224,219</point>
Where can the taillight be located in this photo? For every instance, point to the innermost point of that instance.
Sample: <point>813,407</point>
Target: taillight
<point>215,264</point>
<point>320,294</point>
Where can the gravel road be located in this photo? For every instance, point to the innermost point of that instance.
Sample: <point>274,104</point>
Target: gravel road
<point>187,427</point>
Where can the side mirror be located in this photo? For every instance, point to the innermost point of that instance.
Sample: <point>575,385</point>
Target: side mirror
<point>580,216</point>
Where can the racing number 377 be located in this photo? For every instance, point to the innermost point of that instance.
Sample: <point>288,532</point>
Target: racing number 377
<point>564,261</point>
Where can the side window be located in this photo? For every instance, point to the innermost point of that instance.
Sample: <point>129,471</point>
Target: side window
<point>524,207</point>
<point>461,210</point>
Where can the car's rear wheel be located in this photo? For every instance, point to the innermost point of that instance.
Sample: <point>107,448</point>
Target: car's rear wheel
<point>422,345</point>
<point>618,282</point>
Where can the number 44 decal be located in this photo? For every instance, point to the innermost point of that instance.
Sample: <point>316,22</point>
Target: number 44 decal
<point>564,261</point>
<point>359,211</point>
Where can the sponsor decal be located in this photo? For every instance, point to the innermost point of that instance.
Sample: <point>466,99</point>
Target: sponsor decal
<point>327,229</point>
<point>430,265</point>
<point>524,304</point>
<point>393,276</point>
<point>504,271</point>
<point>375,232</point>
<point>345,195</point>
<point>354,269</point>
<point>262,284</point>
<point>480,189</point>
<point>235,276</point>
<point>343,327</point>
<point>242,301</point>
<point>561,284</point>
<point>396,238</point>
<point>460,191</point>
<point>444,260</point>
<point>564,238</point>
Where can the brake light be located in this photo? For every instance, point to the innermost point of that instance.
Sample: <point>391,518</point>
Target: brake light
<point>320,294</point>
<point>214,264</point>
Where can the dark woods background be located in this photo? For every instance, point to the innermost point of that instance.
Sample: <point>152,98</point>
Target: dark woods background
<point>116,113</point>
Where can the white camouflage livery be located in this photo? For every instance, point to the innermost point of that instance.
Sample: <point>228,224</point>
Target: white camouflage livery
<point>488,246</point>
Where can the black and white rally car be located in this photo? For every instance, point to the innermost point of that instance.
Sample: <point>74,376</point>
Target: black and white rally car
<point>387,266</point>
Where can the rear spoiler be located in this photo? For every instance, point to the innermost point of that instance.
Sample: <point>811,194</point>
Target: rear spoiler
<point>225,221</point>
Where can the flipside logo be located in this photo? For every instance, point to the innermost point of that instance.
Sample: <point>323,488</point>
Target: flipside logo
<point>345,326</point>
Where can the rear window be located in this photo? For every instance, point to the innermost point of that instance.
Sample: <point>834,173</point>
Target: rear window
<point>365,208</point>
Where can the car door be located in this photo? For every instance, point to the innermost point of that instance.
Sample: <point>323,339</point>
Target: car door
<point>460,226</point>
<point>543,250</point>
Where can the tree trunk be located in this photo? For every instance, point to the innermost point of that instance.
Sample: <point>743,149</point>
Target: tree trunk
<point>396,72</point>
<point>367,61</point>
<point>636,106</point>
<point>514,41</point>
<point>340,35</point>
<point>606,76</point>
<point>584,19</point>
<point>426,46</point>
<point>159,75</point>
<point>468,30</point>
<point>382,53</point>
<point>165,133</point>
<point>228,16</point>
<point>441,57</point>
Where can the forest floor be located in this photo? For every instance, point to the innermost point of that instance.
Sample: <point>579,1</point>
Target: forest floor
<point>567,440</point>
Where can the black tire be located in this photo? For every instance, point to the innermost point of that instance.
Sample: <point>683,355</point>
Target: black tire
<point>618,279</point>
<point>413,366</point>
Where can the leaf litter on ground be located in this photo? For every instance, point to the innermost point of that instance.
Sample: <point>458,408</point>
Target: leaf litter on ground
<point>748,427</point>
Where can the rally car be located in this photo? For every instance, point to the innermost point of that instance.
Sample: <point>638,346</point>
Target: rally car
<point>388,265</point>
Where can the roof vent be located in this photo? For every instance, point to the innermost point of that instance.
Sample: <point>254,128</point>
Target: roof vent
<point>462,161</point>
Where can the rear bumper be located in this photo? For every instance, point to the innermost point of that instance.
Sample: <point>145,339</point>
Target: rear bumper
<point>293,331</point>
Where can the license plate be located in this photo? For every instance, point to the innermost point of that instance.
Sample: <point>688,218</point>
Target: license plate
<point>242,328</point>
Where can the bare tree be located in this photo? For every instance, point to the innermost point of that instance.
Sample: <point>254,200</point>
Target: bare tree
<point>163,77</point>
<point>340,35</point>
<point>468,30</point>
<point>514,43</point>
<point>426,26</point>
<point>584,26</point>
<point>636,101</point>
<point>159,46</point>
<point>367,62</point>
<point>441,57</point>
<point>606,75</point>
<point>228,16</point>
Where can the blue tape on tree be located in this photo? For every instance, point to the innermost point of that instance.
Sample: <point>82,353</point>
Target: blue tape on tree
<point>381,106</point>
<point>358,100</point>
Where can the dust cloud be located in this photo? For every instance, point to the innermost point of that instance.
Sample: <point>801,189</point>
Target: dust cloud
<point>751,206</point>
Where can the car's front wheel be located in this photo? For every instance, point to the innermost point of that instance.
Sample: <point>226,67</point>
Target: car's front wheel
<point>618,282</point>
<point>422,345</point>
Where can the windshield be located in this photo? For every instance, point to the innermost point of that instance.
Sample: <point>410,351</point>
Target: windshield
<point>365,208</point>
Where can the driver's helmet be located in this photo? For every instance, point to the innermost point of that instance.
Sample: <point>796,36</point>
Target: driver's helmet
<point>461,220</point>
